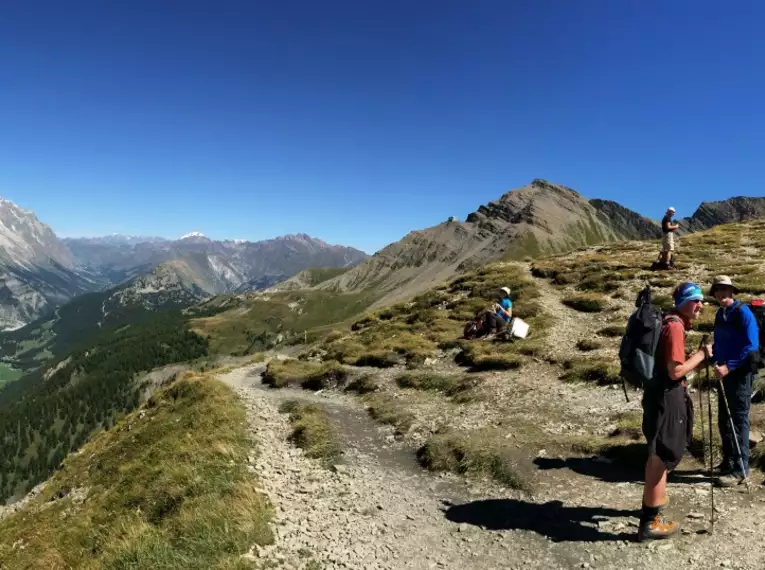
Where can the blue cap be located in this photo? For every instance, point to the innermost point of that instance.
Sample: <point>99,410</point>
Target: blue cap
<point>687,292</point>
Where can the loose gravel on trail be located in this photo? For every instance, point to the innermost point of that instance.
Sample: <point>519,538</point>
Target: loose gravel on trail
<point>378,510</point>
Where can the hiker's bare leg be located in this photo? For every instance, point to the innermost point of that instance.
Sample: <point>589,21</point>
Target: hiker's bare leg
<point>655,482</point>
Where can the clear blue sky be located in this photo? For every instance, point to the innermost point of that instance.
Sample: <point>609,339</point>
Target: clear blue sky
<point>358,121</point>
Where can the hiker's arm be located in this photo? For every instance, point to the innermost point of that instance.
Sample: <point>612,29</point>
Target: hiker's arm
<point>674,227</point>
<point>508,312</point>
<point>677,371</point>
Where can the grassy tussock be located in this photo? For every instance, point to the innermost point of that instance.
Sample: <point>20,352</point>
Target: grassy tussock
<point>461,389</point>
<point>312,431</point>
<point>364,384</point>
<point>625,452</point>
<point>706,320</point>
<point>629,425</point>
<point>170,492</point>
<point>602,372</point>
<point>661,283</point>
<point>613,331</point>
<point>309,375</point>
<point>481,453</point>
<point>663,302</point>
<point>388,410</point>
<point>485,356</point>
<point>588,344</point>
<point>586,302</point>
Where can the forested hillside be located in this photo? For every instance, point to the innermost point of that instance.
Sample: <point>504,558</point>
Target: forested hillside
<point>45,416</point>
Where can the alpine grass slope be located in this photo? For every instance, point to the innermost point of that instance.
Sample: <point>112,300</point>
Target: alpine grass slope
<point>166,486</point>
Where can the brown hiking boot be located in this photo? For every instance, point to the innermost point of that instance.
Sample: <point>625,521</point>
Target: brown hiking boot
<point>656,529</point>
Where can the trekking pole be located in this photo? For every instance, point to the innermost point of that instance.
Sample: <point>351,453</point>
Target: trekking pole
<point>624,387</point>
<point>721,390</point>
<point>704,342</point>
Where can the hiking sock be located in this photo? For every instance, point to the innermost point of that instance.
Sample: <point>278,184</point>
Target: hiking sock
<point>647,514</point>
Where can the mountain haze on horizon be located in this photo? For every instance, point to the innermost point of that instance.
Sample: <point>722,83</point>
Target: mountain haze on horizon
<point>39,271</point>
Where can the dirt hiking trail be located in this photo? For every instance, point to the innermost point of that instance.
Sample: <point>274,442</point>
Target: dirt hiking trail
<point>378,510</point>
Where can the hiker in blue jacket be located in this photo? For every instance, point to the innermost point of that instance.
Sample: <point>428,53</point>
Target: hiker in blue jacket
<point>736,346</point>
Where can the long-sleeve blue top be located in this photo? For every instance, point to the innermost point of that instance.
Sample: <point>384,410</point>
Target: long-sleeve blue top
<point>736,335</point>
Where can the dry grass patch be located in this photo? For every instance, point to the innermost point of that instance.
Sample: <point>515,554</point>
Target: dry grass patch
<point>706,320</point>
<point>613,331</point>
<point>481,453</point>
<point>485,356</point>
<point>625,452</point>
<point>309,375</point>
<point>460,388</point>
<point>167,487</point>
<point>664,302</point>
<point>586,302</point>
<point>312,431</point>
<point>629,425</point>
<point>364,384</point>
<point>388,410</point>
<point>602,372</point>
<point>588,344</point>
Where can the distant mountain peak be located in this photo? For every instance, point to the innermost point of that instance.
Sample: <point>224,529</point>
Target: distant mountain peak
<point>194,235</point>
<point>36,269</point>
<point>26,241</point>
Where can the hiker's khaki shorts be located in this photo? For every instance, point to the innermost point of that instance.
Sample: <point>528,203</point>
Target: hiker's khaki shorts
<point>668,242</point>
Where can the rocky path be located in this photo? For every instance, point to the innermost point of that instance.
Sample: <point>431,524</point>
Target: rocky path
<point>570,326</point>
<point>378,510</point>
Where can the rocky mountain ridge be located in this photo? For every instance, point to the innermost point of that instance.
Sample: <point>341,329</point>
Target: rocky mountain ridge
<point>736,209</point>
<point>538,218</point>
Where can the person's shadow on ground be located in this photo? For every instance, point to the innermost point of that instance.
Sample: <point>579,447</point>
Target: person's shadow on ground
<point>552,519</point>
<point>597,467</point>
<point>615,472</point>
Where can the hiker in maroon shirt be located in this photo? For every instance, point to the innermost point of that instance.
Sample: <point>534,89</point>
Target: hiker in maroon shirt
<point>667,409</point>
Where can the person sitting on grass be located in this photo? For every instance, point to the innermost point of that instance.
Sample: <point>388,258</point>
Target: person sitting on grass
<point>500,313</point>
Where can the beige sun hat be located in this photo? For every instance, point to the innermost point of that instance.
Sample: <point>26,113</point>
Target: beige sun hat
<point>722,281</point>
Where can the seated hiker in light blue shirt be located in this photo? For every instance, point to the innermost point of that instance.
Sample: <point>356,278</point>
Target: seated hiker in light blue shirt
<point>505,305</point>
<point>503,312</point>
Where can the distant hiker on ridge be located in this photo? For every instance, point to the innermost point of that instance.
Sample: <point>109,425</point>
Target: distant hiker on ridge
<point>501,312</point>
<point>668,228</point>
<point>667,409</point>
<point>736,347</point>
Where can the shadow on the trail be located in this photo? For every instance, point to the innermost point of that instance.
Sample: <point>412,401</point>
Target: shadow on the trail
<point>605,470</point>
<point>690,477</point>
<point>615,472</point>
<point>552,520</point>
